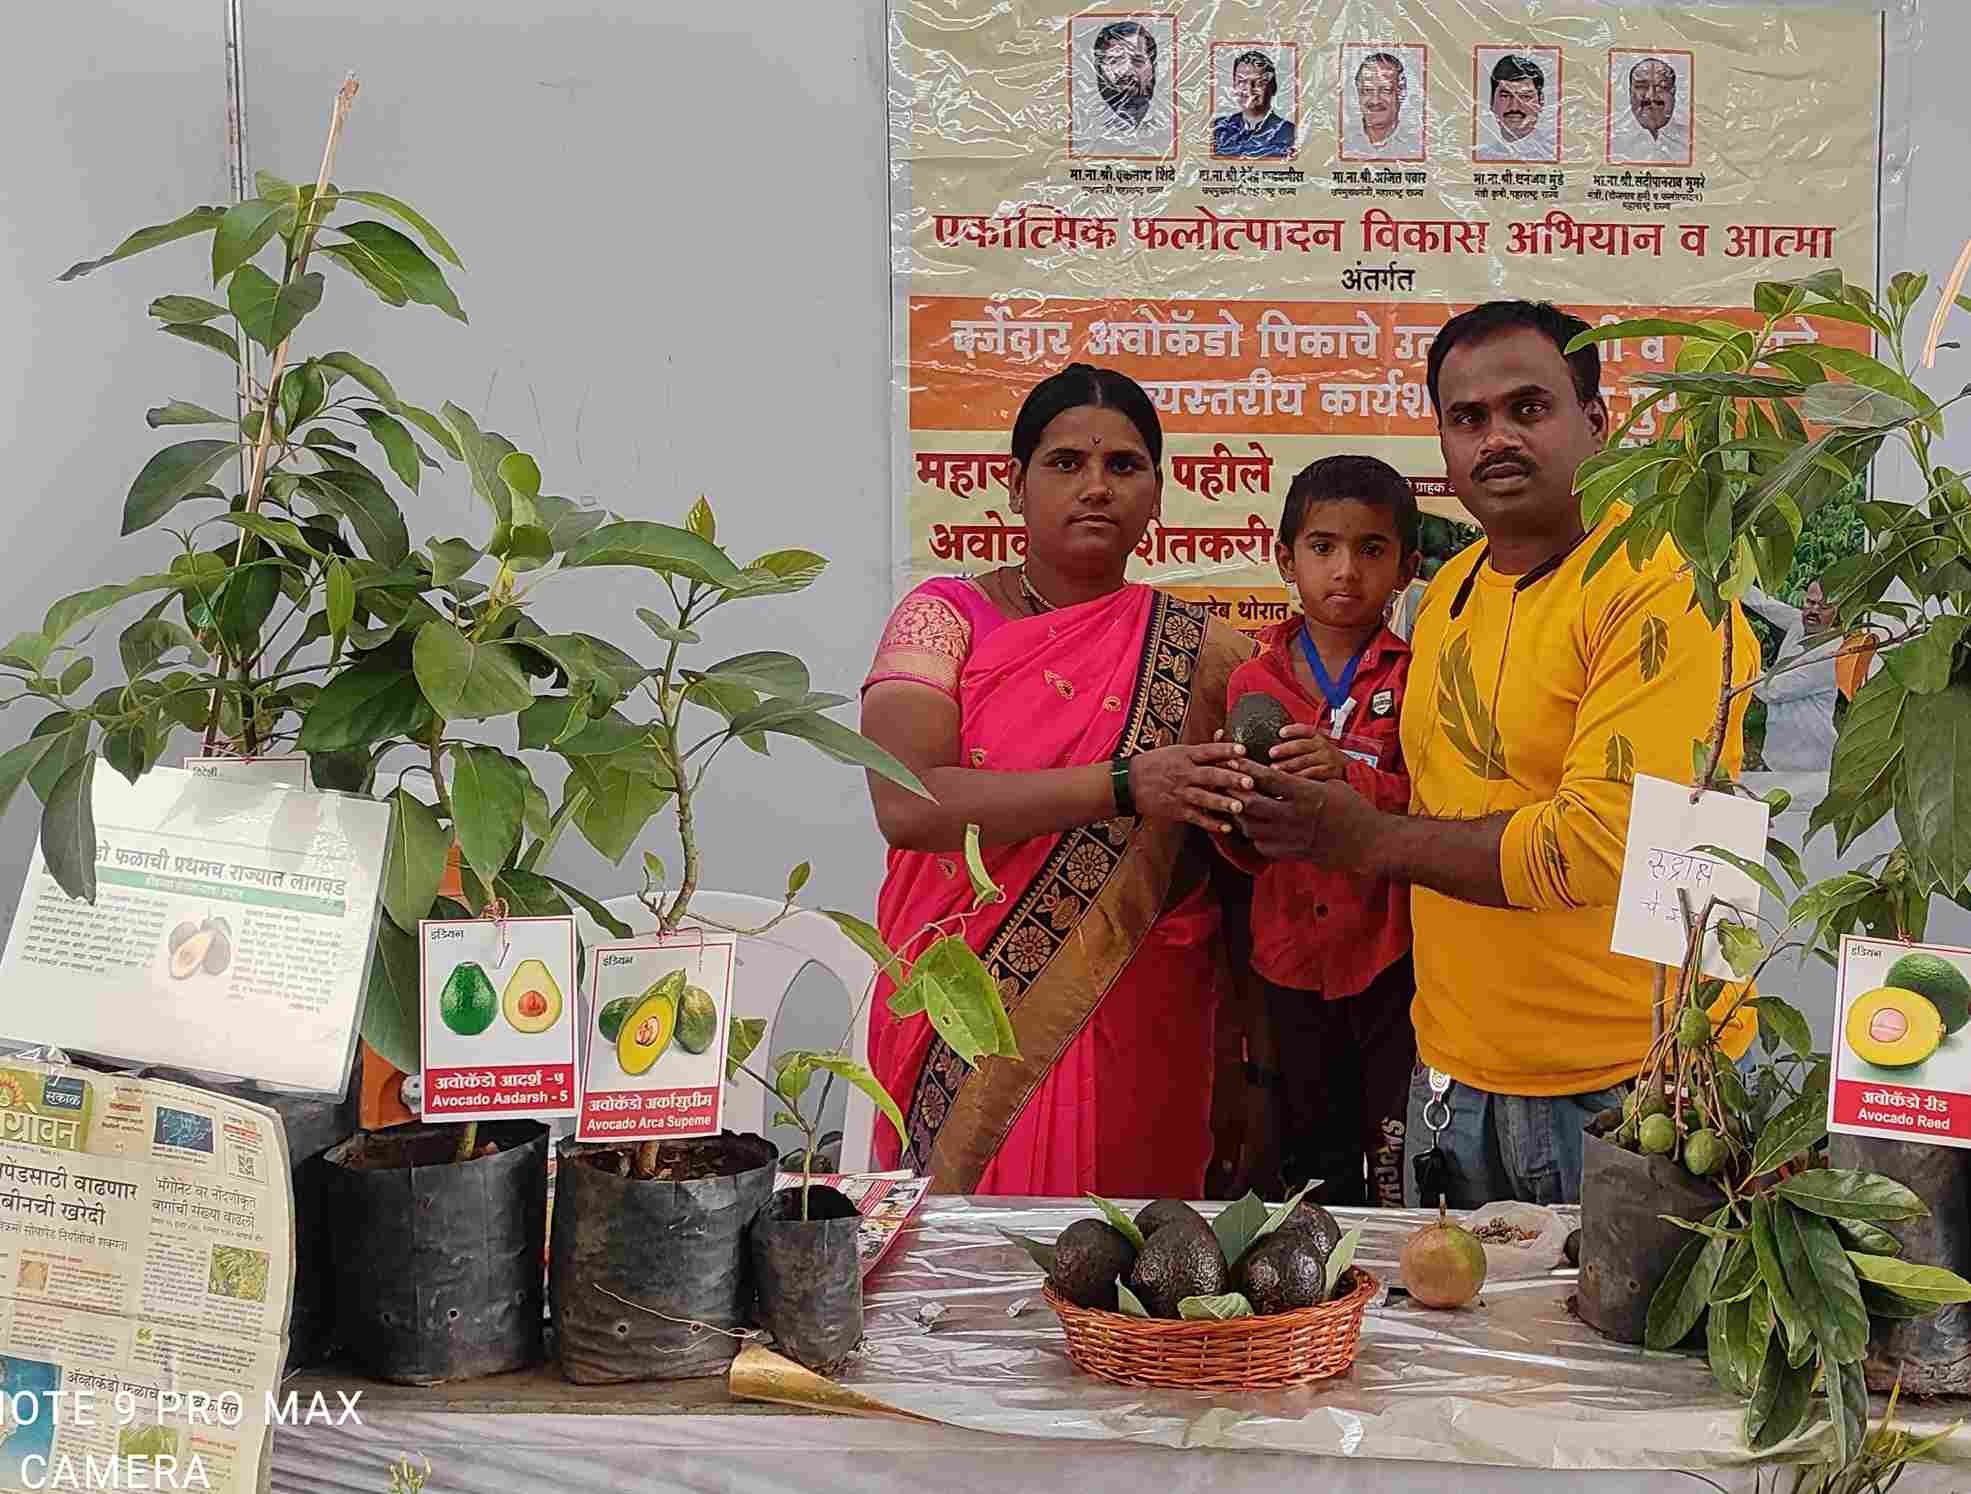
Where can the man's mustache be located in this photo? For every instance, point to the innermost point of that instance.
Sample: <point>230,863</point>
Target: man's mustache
<point>1502,466</point>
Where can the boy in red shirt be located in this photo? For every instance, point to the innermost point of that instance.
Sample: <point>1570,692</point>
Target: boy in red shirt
<point>1331,952</point>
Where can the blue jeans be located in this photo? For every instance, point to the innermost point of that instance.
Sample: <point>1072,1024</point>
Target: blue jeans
<point>1502,1146</point>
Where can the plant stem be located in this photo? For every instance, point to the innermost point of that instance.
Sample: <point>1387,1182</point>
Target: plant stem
<point>1724,716</point>
<point>468,1141</point>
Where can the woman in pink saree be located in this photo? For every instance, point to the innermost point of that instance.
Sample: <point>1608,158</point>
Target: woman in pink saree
<point>1071,716</point>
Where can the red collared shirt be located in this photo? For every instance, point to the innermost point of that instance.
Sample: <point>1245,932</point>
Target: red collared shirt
<point>1315,929</point>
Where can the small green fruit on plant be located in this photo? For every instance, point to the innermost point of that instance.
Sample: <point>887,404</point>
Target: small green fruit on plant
<point>1658,1136</point>
<point>1704,1153</point>
<point>1694,1027</point>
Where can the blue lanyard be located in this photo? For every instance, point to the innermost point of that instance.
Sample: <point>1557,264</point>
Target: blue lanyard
<point>1335,691</point>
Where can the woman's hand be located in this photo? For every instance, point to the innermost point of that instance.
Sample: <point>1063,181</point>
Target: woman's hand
<point>1306,753</point>
<point>1192,784</point>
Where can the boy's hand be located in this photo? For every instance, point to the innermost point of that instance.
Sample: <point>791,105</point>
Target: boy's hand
<point>1306,753</point>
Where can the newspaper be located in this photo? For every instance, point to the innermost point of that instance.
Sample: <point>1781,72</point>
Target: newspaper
<point>886,1201</point>
<point>146,1276</point>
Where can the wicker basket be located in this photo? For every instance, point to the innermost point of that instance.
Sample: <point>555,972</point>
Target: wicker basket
<point>1257,1353</point>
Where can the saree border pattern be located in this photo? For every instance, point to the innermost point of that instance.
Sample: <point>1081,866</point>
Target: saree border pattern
<point>1079,868</point>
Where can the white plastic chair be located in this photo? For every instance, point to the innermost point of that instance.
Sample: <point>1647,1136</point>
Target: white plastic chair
<point>767,967</point>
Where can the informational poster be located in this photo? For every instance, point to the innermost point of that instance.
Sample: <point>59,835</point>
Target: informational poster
<point>653,1065</point>
<point>146,1276</point>
<point>1264,212</point>
<point>1902,1051</point>
<point>231,932</point>
<point>499,1017</point>
<point>1662,860</point>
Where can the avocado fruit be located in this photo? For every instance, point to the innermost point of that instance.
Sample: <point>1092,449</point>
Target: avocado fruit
<point>532,1002</point>
<point>1089,1257</point>
<point>1165,1211</point>
<point>467,1004</point>
<point>1937,981</point>
<point>698,1019</point>
<point>1178,1262</point>
<point>1893,1028</point>
<point>1255,723</point>
<point>1282,1273</point>
<point>1312,1221</point>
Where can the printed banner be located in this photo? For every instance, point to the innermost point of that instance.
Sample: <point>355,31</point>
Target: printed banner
<point>1265,212</point>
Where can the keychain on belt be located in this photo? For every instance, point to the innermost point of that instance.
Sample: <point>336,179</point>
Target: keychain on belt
<point>1431,1168</point>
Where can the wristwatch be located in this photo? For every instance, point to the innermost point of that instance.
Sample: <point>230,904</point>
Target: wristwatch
<point>1119,784</point>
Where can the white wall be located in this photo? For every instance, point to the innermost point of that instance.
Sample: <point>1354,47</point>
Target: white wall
<point>673,219</point>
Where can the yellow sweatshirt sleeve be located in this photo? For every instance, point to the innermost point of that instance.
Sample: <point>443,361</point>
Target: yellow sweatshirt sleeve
<point>1652,689</point>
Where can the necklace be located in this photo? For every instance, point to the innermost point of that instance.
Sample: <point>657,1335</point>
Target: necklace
<point>1034,599</point>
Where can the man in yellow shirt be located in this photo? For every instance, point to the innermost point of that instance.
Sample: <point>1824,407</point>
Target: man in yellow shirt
<point>1536,696</point>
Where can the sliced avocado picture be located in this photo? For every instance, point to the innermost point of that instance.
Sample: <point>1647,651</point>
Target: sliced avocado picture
<point>648,1029</point>
<point>609,1021</point>
<point>1893,1028</point>
<point>1937,981</point>
<point>532,1002</point>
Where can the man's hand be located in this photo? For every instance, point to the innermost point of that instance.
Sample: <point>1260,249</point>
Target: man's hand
<point>1294,818</point>
<point>1306,753</point>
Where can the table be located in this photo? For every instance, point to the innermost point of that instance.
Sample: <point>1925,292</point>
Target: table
<point>1527,1398</point>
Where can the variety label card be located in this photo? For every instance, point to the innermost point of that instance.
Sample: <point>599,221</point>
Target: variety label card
<point>1665,828</point>
<point>284,770</point>
<point>1902,1049</point>
<point>499,1017</point>
<point>653,1064</point>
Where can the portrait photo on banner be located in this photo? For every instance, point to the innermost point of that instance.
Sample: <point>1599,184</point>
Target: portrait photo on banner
<point>1385,101</point>
<point>1122,93</point>
<point>1516,98</point>
<point>1651,107</point>
<point>1255,99</point>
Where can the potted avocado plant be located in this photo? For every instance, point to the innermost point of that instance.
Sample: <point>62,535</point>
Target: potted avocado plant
<point>297,614</point>
<point>1788,1267</point>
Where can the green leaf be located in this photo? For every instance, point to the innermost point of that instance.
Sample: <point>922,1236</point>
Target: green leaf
<point>557,722</point>
<point>1781,1025</point>
<point>1765,1247</point>
<point>849,746</point>
<point>1838,1193</point>
<point>797,879</point>
<point>367,268</point>
<point>1741,947</point>
<point>416,864</point>
<point>392,1015</point>
<point>604,919</point>
<point>198,220</point>
<point>421,278</point>
<point>1870,1239</point>
<point>1214,1309</point>
<point>1685,1291</point>
<point>280,191</point>
<point>363,373</point>
<point>488,799</point>
<point>1937,779</point>
<point>172,475</point>
<point>792,1073</point>
<point>248,600</point>
<point>664,630</point>
<point>70,611</point>
<point>864,936</point>
<point>1728,385</point>
<point>972,1018</point>
<point>768,672</point>
<point>985,891</point>
<point>1238,1224</point>
<point>1851,407</point>
<point>206,337</point>
<point>778,573</point>
<point>183,412</point>
<point>433,427</point>
<point>1127,1302</point>
<point>1797,1128</point>
<point>662,548</point>
<point>1738,1276</point>
<point>1779,1405</point>
<point>1341,1259</point>
<point>1925,664</point>
<point>1823,1282</point>
<point>405,213</point>
<point>1041,1253</point>
<point>145,643</point>
<point>1928,1284</point>
<point>28,651</point>
<point>528,894</point>
<point>700,521</point>
<point>267,310</point>
<point>18,762</point>
<point>366,504</point>
<point>568,521</point>
<point>1123,1223</point>
<point>1751,869</point>
<point>68,829</point>
<point>743,1035</point>
<point>1279,1215</point>
<point>1847,1408</point>
<point>844,1067</point>
<point>483,452</point>
<point>620,803</point>
<point>340,601</point>
<point>583,656</point>
<point>242,233</point>
<point>366,703</point>
<point>399,447</point>
<point>1753,1336</point>
<point>76,675</point>
<point>467,681</point>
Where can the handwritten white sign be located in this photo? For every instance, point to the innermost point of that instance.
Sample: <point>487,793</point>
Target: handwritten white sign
<point>284,770</point>
<point>1665,829</point>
